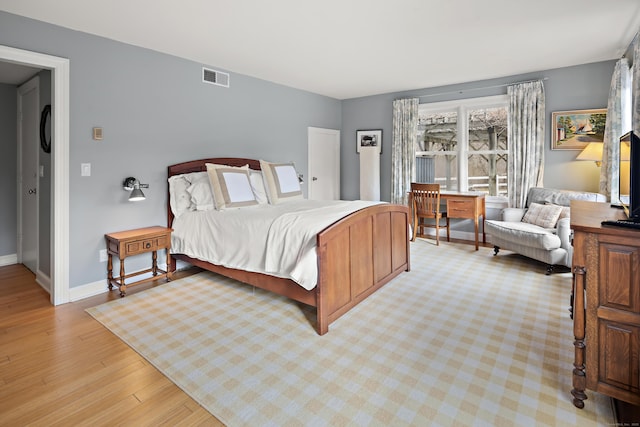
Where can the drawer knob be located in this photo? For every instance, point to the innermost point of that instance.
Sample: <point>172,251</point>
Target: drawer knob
<point>147,245</point>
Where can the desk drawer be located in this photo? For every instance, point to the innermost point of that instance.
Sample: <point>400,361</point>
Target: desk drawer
<point>460,208</point>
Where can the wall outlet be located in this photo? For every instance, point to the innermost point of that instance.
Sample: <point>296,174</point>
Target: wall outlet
<point>103,255</point>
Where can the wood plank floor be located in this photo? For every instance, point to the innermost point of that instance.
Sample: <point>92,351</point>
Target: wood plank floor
<point>60,367</point>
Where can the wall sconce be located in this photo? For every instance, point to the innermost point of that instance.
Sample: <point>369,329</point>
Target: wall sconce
<point>593,152</point>
<point>133,185</point>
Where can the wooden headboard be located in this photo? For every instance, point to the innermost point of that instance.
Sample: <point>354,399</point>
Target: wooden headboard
<point>200,166</point>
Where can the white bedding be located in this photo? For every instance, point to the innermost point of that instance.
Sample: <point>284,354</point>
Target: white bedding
<point>279,240</point>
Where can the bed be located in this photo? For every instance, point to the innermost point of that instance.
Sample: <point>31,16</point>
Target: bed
<point>355,255</point>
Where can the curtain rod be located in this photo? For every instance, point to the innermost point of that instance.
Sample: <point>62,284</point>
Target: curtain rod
<point>482,88</point>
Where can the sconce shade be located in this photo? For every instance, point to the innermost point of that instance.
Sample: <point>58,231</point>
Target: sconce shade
<point>133,185</point>
<point>137,194</point>
<point>593,152</point>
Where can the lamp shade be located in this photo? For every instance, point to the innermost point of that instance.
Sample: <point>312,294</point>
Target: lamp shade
<point>593,152</point>
<point>136,194</point>
<point>133,185</point>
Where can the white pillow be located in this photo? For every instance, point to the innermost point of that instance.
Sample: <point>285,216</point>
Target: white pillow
<point>231,186</point>
<point>257,185</point>
<point>179,198</point>
<point>200,191</point>
<point>280,181</point>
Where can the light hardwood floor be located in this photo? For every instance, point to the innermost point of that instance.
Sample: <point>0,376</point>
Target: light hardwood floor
<point>58,366</point>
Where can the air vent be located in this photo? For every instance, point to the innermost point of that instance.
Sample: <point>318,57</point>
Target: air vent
<point>215,77</point>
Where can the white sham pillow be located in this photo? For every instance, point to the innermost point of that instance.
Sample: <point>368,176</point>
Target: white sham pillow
<point>231,186</point>
<point>257,185</point>
<point>179,197</point>
<point>200,191</point>
<point>280,181</point>
<point>182,186</point>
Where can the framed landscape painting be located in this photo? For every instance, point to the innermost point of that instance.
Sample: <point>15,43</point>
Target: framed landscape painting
<point>573,130</point>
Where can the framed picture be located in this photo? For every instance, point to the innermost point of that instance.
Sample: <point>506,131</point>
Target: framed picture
<point>573,130</point>
<point>369,138</point>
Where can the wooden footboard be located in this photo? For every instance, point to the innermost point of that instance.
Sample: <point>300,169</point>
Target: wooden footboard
<point>356,255</point>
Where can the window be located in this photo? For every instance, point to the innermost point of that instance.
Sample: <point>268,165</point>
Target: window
<point>462,145</point>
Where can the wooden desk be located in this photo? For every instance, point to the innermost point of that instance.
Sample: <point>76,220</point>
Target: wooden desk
<point>467,205</point>
<point>133,242</point>
<point>464,205</point>
<point>605,304</point>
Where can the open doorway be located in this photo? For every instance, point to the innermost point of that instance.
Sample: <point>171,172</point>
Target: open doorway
<point>59,162</point>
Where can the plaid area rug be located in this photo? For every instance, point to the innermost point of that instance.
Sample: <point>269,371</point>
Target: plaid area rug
<point>465,338</point>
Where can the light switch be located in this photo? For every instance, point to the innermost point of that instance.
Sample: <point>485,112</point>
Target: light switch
<point>85,169</point>
<point>41,171</point>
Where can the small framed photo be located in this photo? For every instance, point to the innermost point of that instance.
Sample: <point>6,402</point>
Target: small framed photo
<point>369,138</point>
<point>574,130</point>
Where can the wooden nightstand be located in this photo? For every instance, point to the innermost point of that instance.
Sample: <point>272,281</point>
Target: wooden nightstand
<point>135,242</point>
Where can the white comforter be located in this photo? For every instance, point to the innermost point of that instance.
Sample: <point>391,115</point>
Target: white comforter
<point>279,240</point>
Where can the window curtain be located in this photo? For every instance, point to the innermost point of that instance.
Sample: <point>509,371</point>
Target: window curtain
<point>403,155</point>
<point>618,116</point>
<point>526,140</point>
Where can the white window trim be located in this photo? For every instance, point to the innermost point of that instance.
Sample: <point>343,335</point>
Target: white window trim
<point>462,107</point>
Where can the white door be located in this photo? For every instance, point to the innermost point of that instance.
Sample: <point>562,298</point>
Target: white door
<point>324,164</point>
<point>28,144</point>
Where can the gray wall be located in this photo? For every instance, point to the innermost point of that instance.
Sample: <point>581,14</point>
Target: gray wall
<point>156,111</point>
<point>572,88</point>
<point>8,164</point>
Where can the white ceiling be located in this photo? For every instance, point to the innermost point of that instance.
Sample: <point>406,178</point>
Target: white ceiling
<point>352,48</point>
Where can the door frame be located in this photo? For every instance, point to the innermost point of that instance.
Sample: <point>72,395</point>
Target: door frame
<point>336,135</point>
<point>32,84</point>
<point>59,291</point>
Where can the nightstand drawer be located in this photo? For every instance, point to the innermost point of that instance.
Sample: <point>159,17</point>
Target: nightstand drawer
<point>145,245</point>
<point>460,208</point>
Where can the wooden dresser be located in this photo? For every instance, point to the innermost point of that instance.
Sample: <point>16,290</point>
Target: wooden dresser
<point>606,304</point>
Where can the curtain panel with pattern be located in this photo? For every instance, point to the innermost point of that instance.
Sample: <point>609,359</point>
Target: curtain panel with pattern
<point>526,140</point>
<point>618,115</point>
<point>403,155</point>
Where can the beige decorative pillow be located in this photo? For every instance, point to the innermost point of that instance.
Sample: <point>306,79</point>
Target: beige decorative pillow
<point>565,213</point>
<point>231,186</point>
<point>545,216</point>
<point>280,181</point>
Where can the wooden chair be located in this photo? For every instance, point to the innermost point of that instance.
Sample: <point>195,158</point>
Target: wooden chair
<point>425,203</point>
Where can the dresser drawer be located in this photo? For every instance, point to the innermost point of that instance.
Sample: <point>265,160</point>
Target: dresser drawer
<point>460,208</point>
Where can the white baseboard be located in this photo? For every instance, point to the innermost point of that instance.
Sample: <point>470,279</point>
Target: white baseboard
<point>8,259</point>
<point>460,235</point>
<point>44,281</point>
<point>90,289</point>
<point>101,286</point>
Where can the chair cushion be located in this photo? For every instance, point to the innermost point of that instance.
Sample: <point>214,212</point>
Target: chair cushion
<point>545,216</point>
<point>524,234</point>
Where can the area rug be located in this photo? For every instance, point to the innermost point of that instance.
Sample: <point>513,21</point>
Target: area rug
<point>464,338</point>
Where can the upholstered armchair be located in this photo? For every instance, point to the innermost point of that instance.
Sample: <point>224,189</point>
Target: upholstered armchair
<point>541,230</point>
